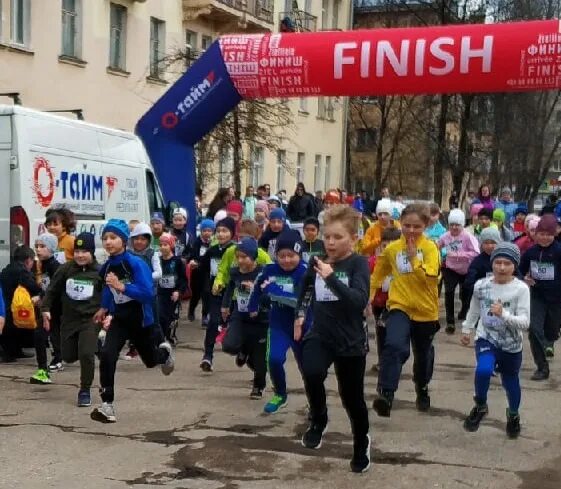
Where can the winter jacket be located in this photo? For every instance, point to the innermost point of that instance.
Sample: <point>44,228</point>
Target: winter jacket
<point>301,207</point>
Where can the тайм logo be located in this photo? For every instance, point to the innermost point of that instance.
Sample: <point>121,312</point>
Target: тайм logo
<point>195,95</point>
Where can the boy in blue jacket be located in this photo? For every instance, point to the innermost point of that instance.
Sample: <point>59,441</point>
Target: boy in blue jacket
<point>280,281</point>
<point>126,314</point>
<point>541,268</point>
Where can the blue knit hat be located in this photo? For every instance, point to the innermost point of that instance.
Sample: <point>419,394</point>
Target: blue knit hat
<point>278,214</point>
<point>289,240</point>
<point>158,217</point>
<point>119,227</point>
<point>248,246</point>
<point>521,209</point>
<point>207,224</point>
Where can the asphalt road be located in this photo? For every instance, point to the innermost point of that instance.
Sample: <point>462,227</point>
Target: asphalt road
<point>194,430</point>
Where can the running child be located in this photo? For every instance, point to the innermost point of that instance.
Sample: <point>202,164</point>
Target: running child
<point>126,314</point>
<point>61,222</point>
<point>246,336</point>
<point>541,268</point>
<point>46,246</point>
<point>414,264</point>
<point>277,224</point>
<point>518,226</point>
<point>200,288</point>
<point>311,244</point>
<point>336,287</point>
<point>379,297</point>
<point>500,307</point>
<point>461,248</point>
<point>279,281</point>
<point>225,230</point>
<point>77,285</point>
<point>183,239</point>
<point>172,285</point>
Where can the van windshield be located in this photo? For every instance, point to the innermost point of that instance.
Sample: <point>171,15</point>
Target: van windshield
<point>155,201</point>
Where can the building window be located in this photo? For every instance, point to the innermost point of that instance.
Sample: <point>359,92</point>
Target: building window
<point>335,18</point>
<point>300,166</point>
<point>281,168</point>
<point>71,28</point>
<point>321,107</point>
<point>303,105</point>
<point>365,139</point>
<point>206,41</point>
<point>327,183</point>
<point>317,173</point>
<point>191,47</point>
<point>330,110</point>
<point>157,47</point>
<point>20,22</point>
<point>324,13</point>
<point>257,161</point>
<point>118,37</point>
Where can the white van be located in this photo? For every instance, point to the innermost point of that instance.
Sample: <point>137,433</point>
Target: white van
<point>47,160</point>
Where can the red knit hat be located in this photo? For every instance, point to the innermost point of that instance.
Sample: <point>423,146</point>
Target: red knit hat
<point>168,239</point>
<point>547,224</point>
<point>235,206</point>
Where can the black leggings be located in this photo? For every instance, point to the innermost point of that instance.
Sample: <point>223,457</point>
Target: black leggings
<point>199,292</point>
<point>317,357</point>
<point>145,342</point>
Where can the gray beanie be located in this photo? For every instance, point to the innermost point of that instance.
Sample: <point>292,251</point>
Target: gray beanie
<point>49,240</point>
<point>507,250</point>
<point>490,234</point>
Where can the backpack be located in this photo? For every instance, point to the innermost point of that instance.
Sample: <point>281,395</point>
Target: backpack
<point>23,310</point>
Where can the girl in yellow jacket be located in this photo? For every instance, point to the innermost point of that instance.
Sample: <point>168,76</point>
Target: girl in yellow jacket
<point>414,263</point>
<point>373,235</point>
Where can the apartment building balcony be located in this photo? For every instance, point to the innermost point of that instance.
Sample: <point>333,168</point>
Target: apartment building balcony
<point>297,21</point>
<point>232,15</point>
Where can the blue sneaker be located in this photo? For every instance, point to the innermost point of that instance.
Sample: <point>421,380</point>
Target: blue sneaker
<point>84,398</point>
<point>277,402</point>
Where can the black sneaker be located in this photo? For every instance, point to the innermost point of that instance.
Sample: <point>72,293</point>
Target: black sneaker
<point>383,404</point>
<point>512,424</point>
<point>540,374</point>
<point>423,400</point>
<point>478,412</point>
<point>241,359</point>
<point>450,328</point>
<point>361,456</point>
<point>256,393</point>
<point>314,435</point>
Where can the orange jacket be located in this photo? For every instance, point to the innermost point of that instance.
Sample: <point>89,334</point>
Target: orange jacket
<point>373,237</point>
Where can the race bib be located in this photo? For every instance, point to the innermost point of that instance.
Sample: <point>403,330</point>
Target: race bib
<point>79,290</point>
<point>404,263</point>
<point>203,250</point>
<point>286,284</point>
<point>324,293</point>
<point>214,262</point>
<point>488,319</point>
<point>45,281</point>
<point>542,270</point>
<point>242,301</point>
<point>167,282</point>
<point>60,257</point>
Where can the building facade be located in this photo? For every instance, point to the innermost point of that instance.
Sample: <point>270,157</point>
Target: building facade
<point>102,58</point>
<point>314,148</point>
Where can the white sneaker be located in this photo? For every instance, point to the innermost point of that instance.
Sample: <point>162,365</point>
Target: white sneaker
<point>104,413</point>
<point>169,365</point>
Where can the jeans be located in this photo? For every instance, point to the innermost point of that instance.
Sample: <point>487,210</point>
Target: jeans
<point>400,332</point>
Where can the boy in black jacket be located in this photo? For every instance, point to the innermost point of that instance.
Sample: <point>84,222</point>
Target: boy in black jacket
<point>172,284</point>
<point>46,246</point>
<point>337,287</point>
<point>246,336</point>
<point>541,268</point>
<point>312,245</point>
<point>17,273</point>
<point>277,224</point>
<point>200,289</point>
<point>225,230</point>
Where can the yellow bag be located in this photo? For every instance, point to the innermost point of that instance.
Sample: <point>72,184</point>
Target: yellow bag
<point>23,310</point>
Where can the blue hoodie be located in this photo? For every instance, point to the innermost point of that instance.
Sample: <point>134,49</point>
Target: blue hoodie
<point>138,294</point>
<point>282,289</point>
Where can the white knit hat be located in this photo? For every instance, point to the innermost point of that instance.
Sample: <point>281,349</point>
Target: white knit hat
<point>384,205</point>
<point>457,216</point>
